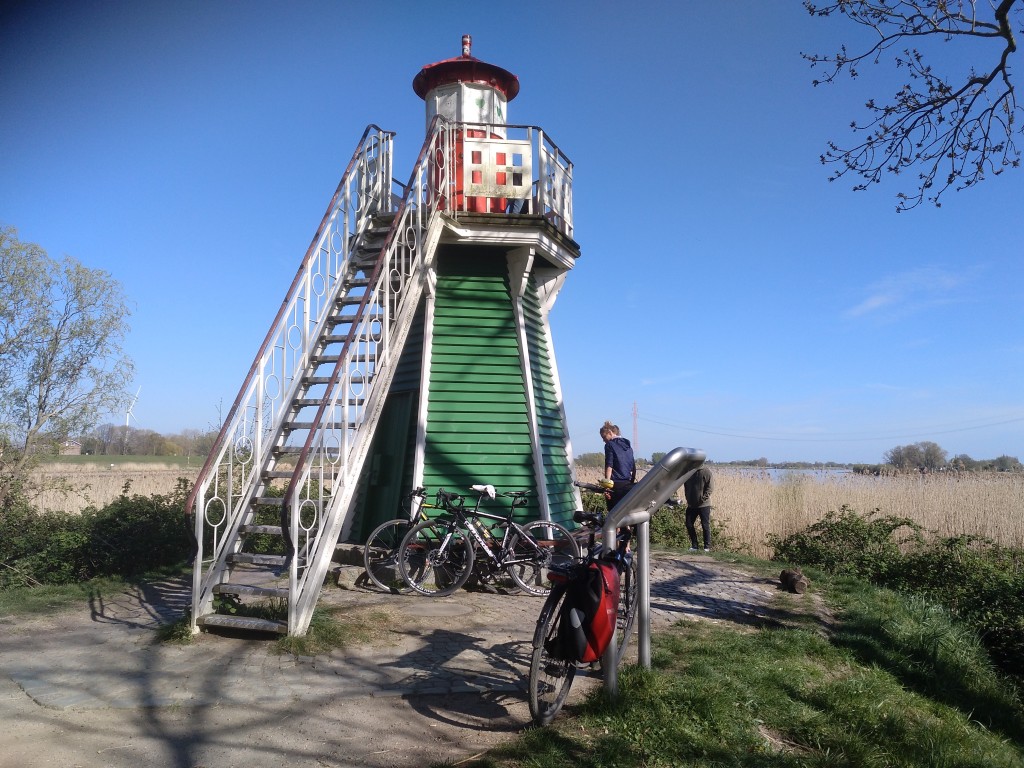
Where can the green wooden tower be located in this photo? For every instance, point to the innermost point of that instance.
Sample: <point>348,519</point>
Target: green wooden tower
<point>476,398</point>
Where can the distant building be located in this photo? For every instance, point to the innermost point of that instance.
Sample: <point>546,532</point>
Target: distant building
<point>71,448</point>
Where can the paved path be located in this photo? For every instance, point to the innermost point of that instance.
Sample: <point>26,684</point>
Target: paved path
<point>474,645</point>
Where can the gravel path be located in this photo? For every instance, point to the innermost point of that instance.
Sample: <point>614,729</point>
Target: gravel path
<point>440,679</point>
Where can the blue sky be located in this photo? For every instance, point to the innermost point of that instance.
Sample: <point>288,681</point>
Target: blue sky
<point>746,305</point>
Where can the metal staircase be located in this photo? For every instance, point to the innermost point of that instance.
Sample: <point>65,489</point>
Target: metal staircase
<point>288,457</point>
<point>285,467</point>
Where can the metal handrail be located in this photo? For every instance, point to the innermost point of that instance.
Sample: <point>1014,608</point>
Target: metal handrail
<point>363,192</point>
<point>393,284</point>
<point>645,498</point>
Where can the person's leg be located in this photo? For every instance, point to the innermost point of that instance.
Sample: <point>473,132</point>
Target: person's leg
<point>617,493</point>
<point>705,524</point>
<point>691,518</point>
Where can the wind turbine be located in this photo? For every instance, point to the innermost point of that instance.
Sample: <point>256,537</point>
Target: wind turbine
<point>128,416</point>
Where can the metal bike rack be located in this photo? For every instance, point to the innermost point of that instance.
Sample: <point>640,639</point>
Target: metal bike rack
<point>636,508</point>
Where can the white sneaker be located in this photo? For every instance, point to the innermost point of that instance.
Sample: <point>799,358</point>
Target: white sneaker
<point>693,549</point>
<point>706,549</point>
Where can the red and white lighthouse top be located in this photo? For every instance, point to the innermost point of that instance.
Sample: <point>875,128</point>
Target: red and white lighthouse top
<point>465,69</point>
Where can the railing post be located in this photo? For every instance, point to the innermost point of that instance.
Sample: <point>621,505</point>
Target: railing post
<point>643,590</point>
<point>636,508</point>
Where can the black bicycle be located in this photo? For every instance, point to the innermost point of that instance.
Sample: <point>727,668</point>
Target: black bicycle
<point>437,556</point>
<point>551,671</point>
<point>380,555</point>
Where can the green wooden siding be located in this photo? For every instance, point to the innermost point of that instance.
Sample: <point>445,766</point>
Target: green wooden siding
<point>550,426</point>
<point>387,475</point>
<point>477,419</point>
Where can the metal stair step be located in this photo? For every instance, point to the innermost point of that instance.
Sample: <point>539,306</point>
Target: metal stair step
<point>306,425</point>
<point>243,622</point>
<point>269,501</point>
<point>227,588</point>
<point>348,299</point>
<point>323,359</point>
<point>251,559</point>
<point>372,313</point>
<point>312,402</point>
<point>314,380</point>
<point>295,450</point>
<point>273,530</point>
<point>362,357</point>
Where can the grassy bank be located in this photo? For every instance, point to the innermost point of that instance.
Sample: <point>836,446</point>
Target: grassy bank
<point>892,682</point>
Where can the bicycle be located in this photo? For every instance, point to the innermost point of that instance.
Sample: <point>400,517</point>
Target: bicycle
<point>551,674</point>
<point>380,555</point>
<point>626,615</point>
<point>437,556</point>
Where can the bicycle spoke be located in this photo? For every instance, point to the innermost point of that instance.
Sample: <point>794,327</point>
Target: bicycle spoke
<point>627,607</point>
<point>380,555</point>
<point>550,676</point>
<point>541,546</point>
<point>434,560</point>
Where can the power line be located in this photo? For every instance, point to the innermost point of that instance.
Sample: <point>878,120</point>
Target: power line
<point>834,439</point>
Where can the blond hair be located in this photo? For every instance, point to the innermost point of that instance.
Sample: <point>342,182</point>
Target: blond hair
<point>610,430</point>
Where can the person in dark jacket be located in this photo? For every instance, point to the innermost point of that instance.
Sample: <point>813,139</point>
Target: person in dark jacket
<point>697,490</point>
<point>619,465</point>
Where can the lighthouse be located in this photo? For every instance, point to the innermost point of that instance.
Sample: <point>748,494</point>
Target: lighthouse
<point>413,348</point>
<point>489,406</point>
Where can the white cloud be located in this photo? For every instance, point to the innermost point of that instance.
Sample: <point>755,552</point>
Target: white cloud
<point>908,293</point>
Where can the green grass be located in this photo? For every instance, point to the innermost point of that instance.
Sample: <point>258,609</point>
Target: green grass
<point>48,598</point>
<point>895,683</point>
<point>104,462</point>
<point>330,629</point>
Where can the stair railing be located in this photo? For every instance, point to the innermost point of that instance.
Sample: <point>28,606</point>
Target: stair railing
<point>328,467</point>
<point>226,484</point>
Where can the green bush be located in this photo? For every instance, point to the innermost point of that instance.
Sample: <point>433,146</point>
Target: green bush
<point>668,528</point>
<point>131,535</point>
<point>136,533</point>
<point>978,581</point>
<point>850,544</point>
<point>37,548</point>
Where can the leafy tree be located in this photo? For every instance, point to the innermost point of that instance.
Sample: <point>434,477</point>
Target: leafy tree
<point>924,455</point>
<point>1007,464</point>
<point>590,460</point>
<point>963,461</point>
<point>61,361</point>
<point>955,128</point>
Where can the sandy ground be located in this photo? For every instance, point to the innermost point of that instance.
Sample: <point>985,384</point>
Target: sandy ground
<point>439,680</point>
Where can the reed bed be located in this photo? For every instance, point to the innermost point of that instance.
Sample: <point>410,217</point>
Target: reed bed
<point>750,504</point>
<point>753,504</point>
<point>97,486</point>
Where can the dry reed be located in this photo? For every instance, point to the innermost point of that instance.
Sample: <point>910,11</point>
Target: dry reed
<point>751,504</point>
<point>92,486</point>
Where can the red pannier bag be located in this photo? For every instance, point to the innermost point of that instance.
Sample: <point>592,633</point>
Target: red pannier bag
<point>589,612</point>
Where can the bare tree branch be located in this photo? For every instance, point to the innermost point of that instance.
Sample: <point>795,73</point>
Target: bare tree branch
<point>954,130</point>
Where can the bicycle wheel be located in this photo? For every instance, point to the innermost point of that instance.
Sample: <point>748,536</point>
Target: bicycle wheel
<point>544,545</point>
<point>380,555</point>
<point>435,559</point>
<point>550,676</point>
<point>627,607</point>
